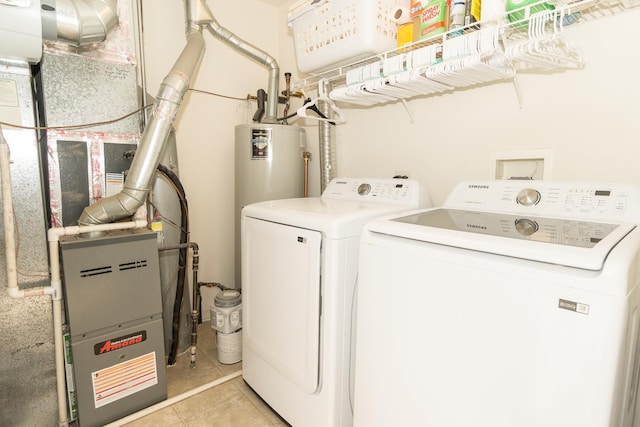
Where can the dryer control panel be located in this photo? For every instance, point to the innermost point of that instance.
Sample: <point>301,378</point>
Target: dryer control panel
<point>389,191</point>
<point>600,201</point>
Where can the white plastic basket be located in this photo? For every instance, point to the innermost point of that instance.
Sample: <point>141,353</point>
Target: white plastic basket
<point>331,33</point>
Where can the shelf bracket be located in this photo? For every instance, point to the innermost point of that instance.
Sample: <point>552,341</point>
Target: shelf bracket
<point>409,111</point>
<point>516,87</point>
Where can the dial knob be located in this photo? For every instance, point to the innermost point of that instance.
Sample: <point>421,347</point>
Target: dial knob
<point>528,197</point>
<point>363,189</point>
<point>526,226</point>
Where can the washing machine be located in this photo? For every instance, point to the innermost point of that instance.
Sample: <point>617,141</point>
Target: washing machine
<point>299,268</point>
<point>515,304</point>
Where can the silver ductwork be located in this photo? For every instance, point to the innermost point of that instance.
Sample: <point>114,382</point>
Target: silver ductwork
<point>327,144</point>
<point>170,96</point>
<point>78,22</point>
<point>258,55</point>
<point>166,106</point>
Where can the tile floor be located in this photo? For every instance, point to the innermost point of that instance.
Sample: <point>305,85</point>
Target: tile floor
<point>229,404</point>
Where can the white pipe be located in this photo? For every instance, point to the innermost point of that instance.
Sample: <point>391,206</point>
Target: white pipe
<point>173,400</point>
<point>7,211</point>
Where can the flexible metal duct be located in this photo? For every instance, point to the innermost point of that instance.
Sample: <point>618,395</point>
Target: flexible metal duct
<point>256,54</point>
<point>170,96</point>
<point>78,22</point>
<point>327,144</point>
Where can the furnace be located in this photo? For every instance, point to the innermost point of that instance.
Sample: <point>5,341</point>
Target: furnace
<point>114,313</point>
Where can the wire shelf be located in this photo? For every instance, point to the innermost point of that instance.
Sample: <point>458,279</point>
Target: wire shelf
<point>512,33</point>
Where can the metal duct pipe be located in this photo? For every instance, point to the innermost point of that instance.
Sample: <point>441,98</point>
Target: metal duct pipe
<point>258,55</point>
<point>327,148</point>
<point>78,22</point>
<point>166,106</point>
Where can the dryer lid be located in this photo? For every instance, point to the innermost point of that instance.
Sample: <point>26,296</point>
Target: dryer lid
<point>574,243</point>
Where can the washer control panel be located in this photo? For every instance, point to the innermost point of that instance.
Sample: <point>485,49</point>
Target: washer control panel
<point>393,191</point>
<point>612,201</point>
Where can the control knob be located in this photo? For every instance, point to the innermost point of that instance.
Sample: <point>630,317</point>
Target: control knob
<point>363,189</point>
<point>528,197</point>
<point>526,226</point>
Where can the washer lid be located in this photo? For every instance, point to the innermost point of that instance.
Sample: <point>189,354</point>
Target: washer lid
<point>574,243</point>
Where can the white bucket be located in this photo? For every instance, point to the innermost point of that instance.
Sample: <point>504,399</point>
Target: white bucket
<point>229,347</point>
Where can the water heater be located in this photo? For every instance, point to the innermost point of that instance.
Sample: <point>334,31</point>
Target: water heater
<point>268,166</point>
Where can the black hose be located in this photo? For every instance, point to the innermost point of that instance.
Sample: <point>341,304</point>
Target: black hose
<point>262,98</point>
<point>182,262</point>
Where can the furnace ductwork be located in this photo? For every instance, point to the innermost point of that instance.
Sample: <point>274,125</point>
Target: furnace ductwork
<point>172,90</point>
<point>138,182</point>
<point>78,22</point>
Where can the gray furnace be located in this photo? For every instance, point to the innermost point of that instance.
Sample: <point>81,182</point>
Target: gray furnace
<point>113,309</point>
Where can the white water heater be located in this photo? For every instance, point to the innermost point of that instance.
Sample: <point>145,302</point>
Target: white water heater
<point>268,166</point>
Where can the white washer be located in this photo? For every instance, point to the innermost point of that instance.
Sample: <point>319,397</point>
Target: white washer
<point>299,267</point>
<point>515,304</point>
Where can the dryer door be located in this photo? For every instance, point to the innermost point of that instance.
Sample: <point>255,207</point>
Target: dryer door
<point>281,298</point>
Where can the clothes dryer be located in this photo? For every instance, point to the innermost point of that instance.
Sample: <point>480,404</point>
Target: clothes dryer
<point>299,268</point>
<point>515,304</point>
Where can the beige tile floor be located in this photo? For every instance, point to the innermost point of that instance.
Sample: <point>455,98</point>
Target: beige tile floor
<point>229,404</point>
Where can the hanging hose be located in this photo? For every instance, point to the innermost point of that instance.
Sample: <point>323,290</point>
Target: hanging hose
<point>182,261</point>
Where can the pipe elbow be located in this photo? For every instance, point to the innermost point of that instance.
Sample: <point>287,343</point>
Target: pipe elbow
<point>15,292</point>
<point>82,22</point>
<point>271,63</point>
<point>113,208</point>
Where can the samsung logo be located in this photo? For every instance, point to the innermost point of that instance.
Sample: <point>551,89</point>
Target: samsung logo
<point>482,187</point>
<point>476,227</point>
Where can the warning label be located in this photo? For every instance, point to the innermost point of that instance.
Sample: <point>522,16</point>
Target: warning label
<point>124,379</point>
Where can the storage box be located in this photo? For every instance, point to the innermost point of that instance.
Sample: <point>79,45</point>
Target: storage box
<point>331,33</point>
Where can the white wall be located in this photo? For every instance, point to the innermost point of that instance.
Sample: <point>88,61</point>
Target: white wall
<point>588,118</point>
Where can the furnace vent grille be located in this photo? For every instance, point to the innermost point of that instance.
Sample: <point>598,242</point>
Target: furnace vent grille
<point>133,264</point>
<point>96,271</point>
